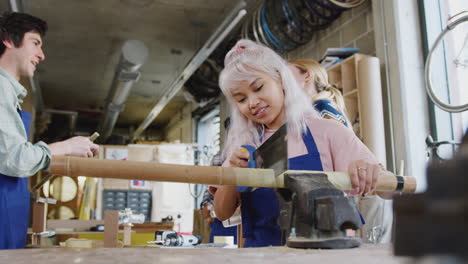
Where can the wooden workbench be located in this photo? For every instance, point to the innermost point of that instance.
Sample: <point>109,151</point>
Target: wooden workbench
<point>381,254</point>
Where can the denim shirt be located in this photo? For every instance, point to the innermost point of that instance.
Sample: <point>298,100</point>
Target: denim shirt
<point>18,157</point>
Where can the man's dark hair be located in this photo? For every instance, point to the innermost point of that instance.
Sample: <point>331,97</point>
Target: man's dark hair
<point>14,25</point>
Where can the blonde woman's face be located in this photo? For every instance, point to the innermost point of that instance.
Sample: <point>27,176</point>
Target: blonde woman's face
<point>261,100</point>
<point>298,75</point>
<point>304,80</point>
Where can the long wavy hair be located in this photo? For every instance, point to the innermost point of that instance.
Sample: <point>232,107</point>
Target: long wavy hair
<point>244,62</point>
<point>325,90</point>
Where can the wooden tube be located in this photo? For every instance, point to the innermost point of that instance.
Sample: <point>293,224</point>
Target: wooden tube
<point>388,182</point>
<point>135,170</point>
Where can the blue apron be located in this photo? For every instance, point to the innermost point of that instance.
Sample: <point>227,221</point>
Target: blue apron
<point>14,205</point>
<point>217,229</point>
<point>260,208</point>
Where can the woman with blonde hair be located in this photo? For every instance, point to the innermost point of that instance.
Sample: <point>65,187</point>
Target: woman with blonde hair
<point>263,96</point>
<point>326,98</point>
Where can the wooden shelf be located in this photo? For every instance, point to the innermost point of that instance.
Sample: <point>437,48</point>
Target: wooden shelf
<point>351,93</point>
<point>360,94</point>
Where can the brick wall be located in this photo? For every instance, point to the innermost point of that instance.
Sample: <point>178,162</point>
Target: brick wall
<point>354,28</point>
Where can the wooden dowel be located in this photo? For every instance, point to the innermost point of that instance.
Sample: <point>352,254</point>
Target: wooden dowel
<point>94,136</point>
<point>388,182</point>
<point>135,170</point>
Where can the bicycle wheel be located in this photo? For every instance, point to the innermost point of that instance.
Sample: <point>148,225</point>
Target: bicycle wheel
<point>427,69</point>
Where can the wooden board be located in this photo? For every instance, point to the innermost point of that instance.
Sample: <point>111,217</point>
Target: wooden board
<point>381,254</point>
<point>111,223</point>
<point>77,225</point>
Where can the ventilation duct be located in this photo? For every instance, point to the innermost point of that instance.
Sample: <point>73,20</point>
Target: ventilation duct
<point>134,54</point>
<point>16,5</point>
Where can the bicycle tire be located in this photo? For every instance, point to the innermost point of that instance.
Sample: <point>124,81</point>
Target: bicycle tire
<point>427,71</point>
<point>347,5</point>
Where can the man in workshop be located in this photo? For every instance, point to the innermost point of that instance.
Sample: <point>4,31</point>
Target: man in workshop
<point>20,53</point>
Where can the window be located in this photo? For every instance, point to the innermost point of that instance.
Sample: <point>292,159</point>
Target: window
<point>449,68</point>
<point>208,145</point>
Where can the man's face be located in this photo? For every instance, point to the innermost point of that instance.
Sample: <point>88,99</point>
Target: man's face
<point>28,54</point>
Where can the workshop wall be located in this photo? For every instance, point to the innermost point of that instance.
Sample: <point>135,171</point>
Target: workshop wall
<point>181,126</point>
<point>354,28</point>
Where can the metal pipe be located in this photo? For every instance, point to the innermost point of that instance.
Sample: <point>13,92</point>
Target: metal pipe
<point>134,54</point>
<point>221,32</point>
<point>16,5</point>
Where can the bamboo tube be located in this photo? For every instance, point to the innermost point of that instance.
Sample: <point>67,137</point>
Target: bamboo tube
<point>148,171</point>
<point>135,170</point>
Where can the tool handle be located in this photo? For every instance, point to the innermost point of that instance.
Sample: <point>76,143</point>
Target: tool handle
<point>387,182</point>
<point>252,164</point>
<point>251,149</point>
<point>94,136</point>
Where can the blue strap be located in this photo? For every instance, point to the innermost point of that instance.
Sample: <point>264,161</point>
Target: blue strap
<point>310,143</point>
<point>26,118</point>
<point>252,164</point>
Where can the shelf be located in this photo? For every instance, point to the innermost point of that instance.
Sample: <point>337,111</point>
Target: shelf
<point>351,93</point>
<point>358,77</point>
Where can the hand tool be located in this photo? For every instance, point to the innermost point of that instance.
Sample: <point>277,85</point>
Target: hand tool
<point>171,238</point>
<point>272,154</point>
<point>182,240</point>
<point>94,136</point>
<point>162,234</point>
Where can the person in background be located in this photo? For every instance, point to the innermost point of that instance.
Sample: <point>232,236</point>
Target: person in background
<point>263,96</point>
<point>328,101</point>
<point>326,98</point>
<point>20,53</point>
<point>206,206</point>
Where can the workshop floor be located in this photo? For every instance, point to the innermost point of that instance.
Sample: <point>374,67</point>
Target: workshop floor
<point>381,254</point>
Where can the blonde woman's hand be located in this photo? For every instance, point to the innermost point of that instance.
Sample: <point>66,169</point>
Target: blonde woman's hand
<point>364,176</point>
<point>239,158</point>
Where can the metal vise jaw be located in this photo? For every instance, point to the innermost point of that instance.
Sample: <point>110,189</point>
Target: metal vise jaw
<point>315,214</point>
